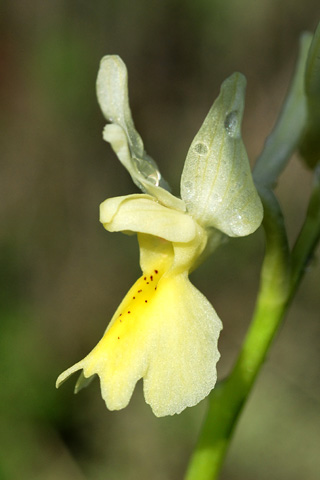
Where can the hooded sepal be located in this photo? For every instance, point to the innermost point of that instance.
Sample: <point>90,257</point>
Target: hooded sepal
<point>216,182</point>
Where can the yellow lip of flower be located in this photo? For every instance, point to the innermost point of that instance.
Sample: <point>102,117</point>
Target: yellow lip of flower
<point>165,331</point>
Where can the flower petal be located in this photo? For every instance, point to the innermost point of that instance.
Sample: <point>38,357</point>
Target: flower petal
<point>182,370</point>
<point>112,91</point>
<point>121,357</point>
<point>165,331</point>
<point>141,213</point>
<point>216,182</point>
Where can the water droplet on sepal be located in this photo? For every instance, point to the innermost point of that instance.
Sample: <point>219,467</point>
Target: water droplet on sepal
<point>148,170</point>
<point>201,148</point>
<point>231,123</point>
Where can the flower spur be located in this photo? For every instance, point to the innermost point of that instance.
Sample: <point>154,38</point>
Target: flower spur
<point>165,331</point>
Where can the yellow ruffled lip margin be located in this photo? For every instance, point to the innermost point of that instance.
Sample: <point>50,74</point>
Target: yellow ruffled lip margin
<point>157,334</point>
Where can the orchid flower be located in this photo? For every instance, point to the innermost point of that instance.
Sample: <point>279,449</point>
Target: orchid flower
<point>165,331</point>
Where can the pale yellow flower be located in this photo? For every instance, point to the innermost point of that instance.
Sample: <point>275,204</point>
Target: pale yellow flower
<point>165,331</point>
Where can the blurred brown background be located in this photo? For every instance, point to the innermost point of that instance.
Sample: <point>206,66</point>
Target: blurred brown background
<point>62,275</point>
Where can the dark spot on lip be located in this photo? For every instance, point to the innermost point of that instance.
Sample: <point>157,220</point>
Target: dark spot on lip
<point>151,278</point>
<point>139,291</point>
<point>156,271</point>
<point>129,311</point>
<point>146,301</point>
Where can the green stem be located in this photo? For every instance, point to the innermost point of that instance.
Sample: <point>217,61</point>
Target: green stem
<point>229,397</point>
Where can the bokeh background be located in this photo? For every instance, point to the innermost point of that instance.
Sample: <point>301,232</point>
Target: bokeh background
<point>62,275</point>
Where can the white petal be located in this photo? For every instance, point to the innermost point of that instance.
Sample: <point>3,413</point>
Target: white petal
<point>216,182</point>
<point>141,213</point>
<point>112,92</point>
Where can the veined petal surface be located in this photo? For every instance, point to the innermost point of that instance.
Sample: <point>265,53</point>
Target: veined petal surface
<point>216,182</point>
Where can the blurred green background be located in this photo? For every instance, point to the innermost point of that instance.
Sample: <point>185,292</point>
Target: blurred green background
<point>62,275</point>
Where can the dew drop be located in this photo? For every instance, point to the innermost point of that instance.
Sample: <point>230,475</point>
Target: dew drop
<point>148,170</point>
<point>231,123</point>
<point>201,148</point>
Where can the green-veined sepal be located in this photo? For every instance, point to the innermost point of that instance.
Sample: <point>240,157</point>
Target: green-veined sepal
<point>216,182</point>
